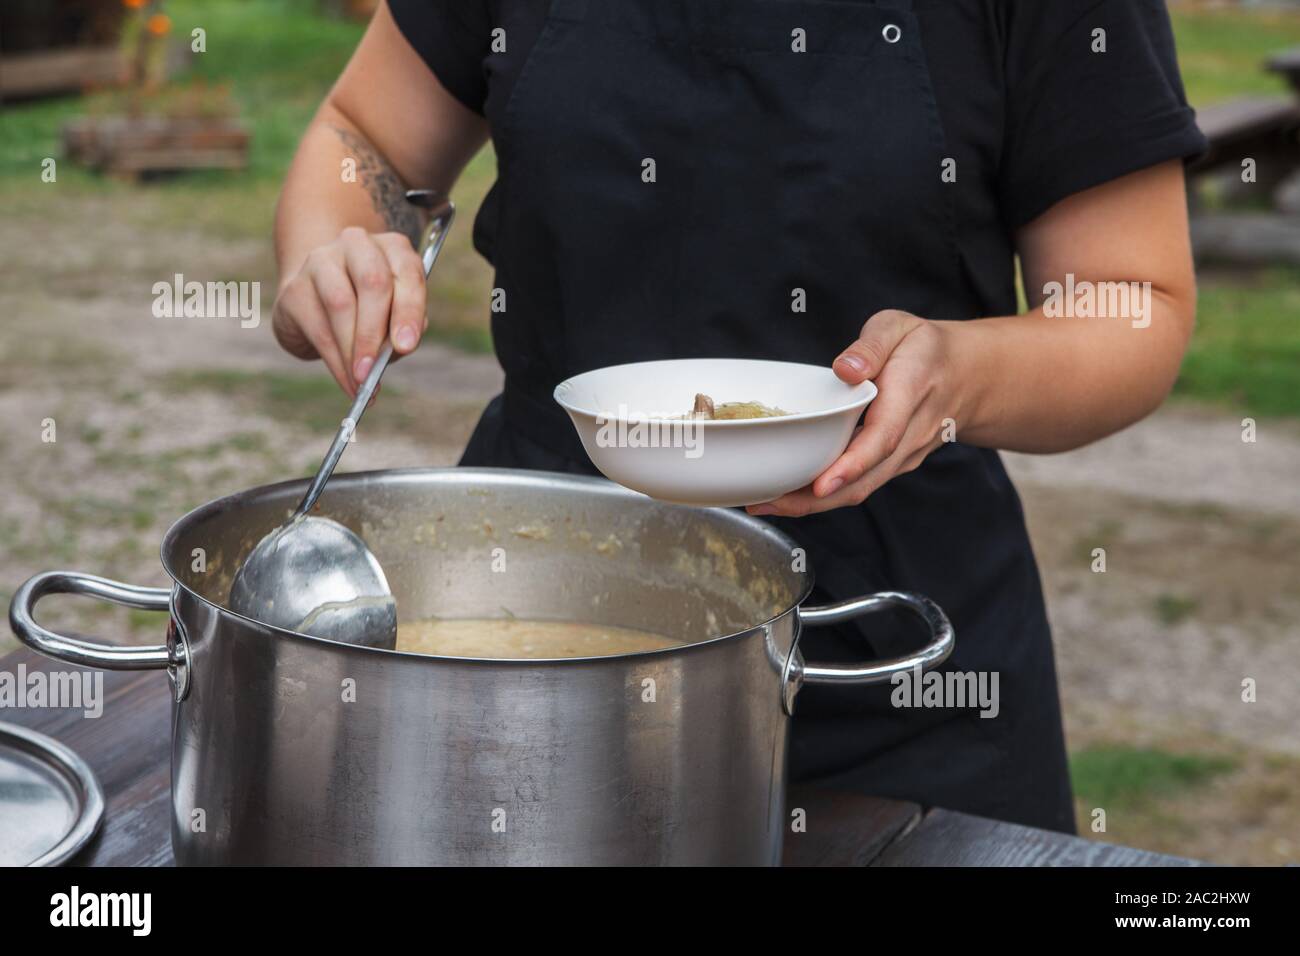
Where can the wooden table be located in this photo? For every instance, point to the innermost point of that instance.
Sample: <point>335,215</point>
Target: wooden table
<point>128,748</point>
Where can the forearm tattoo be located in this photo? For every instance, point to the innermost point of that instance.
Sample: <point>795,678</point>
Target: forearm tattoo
<point>387,192</point>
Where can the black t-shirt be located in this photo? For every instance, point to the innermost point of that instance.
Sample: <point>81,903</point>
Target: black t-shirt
<point>1030,112</point>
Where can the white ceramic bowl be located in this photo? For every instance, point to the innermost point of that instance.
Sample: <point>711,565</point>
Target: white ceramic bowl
<point>631,422</point>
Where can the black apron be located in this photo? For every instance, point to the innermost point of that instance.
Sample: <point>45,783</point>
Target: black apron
<point>772,171</point>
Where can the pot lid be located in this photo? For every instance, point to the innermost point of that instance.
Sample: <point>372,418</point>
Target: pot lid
<point>51,805</point>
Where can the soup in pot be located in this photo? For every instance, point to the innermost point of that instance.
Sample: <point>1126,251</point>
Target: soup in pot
<point>514,638</point>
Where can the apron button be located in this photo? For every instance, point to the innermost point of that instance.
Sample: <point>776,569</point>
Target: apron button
<point>892,33</point>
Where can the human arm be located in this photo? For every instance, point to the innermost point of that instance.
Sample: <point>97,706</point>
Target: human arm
<point>1028,382</point>
<point>344,235</point>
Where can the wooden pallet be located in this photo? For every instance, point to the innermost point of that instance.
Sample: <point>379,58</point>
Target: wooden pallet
<point>130,146</point>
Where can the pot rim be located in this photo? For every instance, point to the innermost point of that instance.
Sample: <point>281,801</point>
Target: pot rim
<point>294,488</point>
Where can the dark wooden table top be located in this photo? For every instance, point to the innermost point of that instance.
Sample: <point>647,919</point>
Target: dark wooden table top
<point>128,748</point>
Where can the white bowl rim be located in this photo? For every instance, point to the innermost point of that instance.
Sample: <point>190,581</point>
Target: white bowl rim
<point>866,392</point>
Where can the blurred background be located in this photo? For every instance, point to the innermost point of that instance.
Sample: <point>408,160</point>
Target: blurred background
<point>135,148</point>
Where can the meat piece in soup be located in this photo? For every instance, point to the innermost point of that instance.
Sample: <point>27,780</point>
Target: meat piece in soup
<point>707,410</point>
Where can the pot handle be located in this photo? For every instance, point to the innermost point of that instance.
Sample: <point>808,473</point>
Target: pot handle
<point>935,652</point>
<point>87,653</point>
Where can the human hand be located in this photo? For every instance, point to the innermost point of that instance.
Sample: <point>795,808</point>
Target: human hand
<point>909,358</point>
<point>348,297</point>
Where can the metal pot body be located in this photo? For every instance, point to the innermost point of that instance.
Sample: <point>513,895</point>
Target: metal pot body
<point>288,749</point>
<point>300,754</point>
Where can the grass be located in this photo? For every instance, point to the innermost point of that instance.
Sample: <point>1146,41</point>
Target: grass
<point>466,337</point>
<point>311,400</point>
<point>282,57</point>
<point>1120,777</point>
<point>1222,52</point>
<point>1246,350</point>
<point>1172,609</point>
<point>1197,800</point>
<point>146,621</point>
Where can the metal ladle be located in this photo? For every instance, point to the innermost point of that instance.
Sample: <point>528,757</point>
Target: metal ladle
<point>311,574</point>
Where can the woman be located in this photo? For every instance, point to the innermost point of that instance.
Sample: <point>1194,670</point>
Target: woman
<point>844,182</point>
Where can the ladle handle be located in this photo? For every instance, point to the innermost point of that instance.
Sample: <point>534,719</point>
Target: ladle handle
<point>434,236</point>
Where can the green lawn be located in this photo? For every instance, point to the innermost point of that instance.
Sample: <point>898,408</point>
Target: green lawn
<point>1246,350</point>
<point>1121,776</point>
<point>1222,52</point>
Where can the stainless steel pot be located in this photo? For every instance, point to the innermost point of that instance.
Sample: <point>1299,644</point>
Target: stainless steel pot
<point>289,749</point>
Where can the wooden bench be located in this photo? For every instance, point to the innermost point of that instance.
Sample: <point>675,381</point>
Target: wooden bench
<point>1266,129</point>
<point>69,70</point>
<point>1288,64</point>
